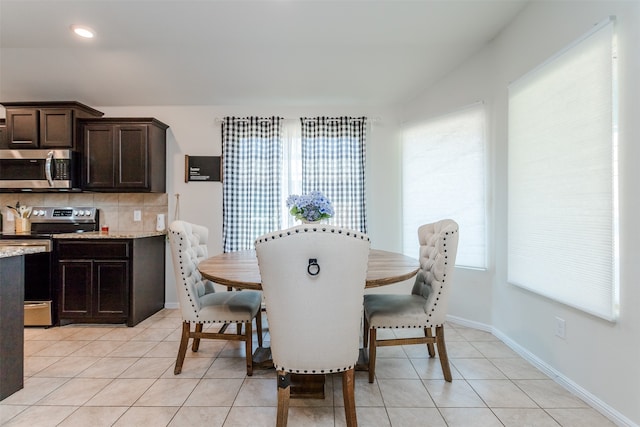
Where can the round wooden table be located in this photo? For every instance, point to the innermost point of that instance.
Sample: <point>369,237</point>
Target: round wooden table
<point>240,269</point>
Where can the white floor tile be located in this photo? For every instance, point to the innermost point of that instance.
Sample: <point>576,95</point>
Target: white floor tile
<point>111,375</point>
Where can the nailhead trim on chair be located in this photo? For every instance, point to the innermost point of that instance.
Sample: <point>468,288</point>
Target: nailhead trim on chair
<point>313,371</point>
<point>314,229</point>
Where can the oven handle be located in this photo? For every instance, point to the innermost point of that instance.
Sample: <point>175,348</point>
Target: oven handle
<point>48,168</point>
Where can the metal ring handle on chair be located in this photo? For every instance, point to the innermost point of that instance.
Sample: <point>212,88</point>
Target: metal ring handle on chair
<point>313,265</point>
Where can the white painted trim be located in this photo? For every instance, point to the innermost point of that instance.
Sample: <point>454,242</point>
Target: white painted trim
<point>469,323</point>
<point>595,402</point>
<point>171,305</point>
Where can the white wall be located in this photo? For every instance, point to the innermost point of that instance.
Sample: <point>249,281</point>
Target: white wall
<point>196,131</point>
<point>598,359</point>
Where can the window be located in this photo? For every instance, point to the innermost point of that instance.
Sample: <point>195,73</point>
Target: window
<point>444,176</point>
<point>562,239</point>
<point>267,159</point>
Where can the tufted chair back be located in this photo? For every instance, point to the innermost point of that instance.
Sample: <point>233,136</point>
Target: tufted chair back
<point>314,319</point>
<point>188,248</point>
<point>438,248</point>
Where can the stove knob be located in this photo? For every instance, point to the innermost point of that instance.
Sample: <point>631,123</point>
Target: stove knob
<point>75,213</point>
<point>41,212</point>
<point>87,212</point>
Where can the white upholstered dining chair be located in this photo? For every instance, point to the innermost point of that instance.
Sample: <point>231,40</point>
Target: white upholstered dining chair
<point>313,280</point>
<point>200,304</point>
<point>426,306</point>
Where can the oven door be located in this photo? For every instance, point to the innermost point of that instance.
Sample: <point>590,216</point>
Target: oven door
<point>38,285</point>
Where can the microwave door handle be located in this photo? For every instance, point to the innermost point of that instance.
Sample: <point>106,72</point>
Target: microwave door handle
<point>48,168</point>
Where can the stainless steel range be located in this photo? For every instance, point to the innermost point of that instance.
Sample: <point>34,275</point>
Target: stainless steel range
<point>39,293</point>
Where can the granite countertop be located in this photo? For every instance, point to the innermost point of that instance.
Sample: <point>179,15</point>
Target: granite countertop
<point>110,235</point>
<point>9,251</point>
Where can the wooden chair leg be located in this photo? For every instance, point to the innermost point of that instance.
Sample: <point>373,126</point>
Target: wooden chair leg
<point>182,350</point>
<point>196,340</point>
<point>372,354</point>
<point>430,346</point>
<point>365,333</point>
<point>284,389</point>
<point>442,353</point>
<point>348,391</point>
<point>248,341</point>
<point>259,327</point>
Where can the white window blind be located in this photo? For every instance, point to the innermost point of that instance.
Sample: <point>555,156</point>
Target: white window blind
<point>444,170</point>
<point>563,177</point>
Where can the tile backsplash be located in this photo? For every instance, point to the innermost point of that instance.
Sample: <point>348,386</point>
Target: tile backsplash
<point>116,209</point>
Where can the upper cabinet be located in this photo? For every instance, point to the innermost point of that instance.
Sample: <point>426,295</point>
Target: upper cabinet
<point>123,154</point>
<point>44,124</point>
<point>3,134</point>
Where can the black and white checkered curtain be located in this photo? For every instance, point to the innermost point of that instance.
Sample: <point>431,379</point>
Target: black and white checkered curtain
<point>251,164</point>
<point>333,161</point>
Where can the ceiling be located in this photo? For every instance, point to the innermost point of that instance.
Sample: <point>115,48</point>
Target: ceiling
<point>239,52</point>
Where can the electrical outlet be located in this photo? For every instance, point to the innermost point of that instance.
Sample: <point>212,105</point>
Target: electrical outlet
<point>560,327</point>
<point>137,215</point>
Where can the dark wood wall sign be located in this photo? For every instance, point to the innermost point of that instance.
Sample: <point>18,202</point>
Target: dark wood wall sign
<point>202,168</point>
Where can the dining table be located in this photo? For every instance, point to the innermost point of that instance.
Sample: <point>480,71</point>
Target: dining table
<point>240,270</point>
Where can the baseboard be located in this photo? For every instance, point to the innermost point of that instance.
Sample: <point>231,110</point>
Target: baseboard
<point>171,305</point>
<point>595,402</point>
<point>469,323</point>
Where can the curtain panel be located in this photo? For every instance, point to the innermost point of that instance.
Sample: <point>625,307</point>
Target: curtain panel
<point>333,161</point>
<point>251,165</point>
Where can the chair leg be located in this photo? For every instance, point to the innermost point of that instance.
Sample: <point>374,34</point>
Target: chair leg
<point>430,347</point>
<point>284,389</point>
<point>196,340</point>
<point>259,327</point>
<point>372,354</point>
<point>248,341</point>
<point>442,353</point>
<point>182,350</point>
<point>365,333</point>
<point>348,392</point>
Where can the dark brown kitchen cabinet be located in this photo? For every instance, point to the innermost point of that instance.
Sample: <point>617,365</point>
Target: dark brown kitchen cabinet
<point>124,154</point>
<point>44,124</point>
<point>94,290</point>
<point>3,134</point>
<point>109,280</point>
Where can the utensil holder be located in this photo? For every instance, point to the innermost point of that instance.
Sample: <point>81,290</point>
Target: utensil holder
<point>23,225</point>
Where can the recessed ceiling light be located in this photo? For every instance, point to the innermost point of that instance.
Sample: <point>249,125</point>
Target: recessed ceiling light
<point>82,31</point>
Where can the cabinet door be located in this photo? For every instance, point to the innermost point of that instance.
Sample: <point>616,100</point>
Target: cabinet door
<point>111,289</point>
<point>74,280</point>
<point>132,154</point>
<point>22,127</point>
<point>98,169</point>
<point>56,128</point>
<point>3,136</point>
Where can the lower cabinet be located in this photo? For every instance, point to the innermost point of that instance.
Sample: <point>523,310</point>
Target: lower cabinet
<point>109,280</point>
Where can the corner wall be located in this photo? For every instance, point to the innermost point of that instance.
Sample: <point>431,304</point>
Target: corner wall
<point>598,359</point>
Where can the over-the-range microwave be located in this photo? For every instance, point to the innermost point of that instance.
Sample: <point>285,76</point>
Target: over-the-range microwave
<point>39,170</point>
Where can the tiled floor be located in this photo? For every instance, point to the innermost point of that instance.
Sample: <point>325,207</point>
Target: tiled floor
<point>112,375</point>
